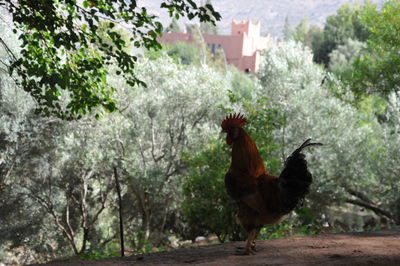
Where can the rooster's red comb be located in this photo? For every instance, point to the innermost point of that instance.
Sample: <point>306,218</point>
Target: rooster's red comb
<point>235,120</point>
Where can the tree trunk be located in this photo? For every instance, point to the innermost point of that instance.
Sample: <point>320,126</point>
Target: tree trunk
<point>121,221</point>
<point>144,233</point>
<point>84,240</point>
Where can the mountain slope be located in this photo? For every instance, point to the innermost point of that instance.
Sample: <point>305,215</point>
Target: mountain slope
<point>271,13</point>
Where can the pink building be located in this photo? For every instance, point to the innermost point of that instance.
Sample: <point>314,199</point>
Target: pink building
<point>241,48</point>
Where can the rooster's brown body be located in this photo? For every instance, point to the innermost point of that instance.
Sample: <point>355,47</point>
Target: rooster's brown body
<point>262,198</point>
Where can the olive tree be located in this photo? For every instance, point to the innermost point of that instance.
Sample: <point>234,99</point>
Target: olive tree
<point>383,195</point>
<point>19,127</point>
<point>66,169</point>
<point>173,115</point>
<point>44,178</point>
<point>62,173</point>
<point>298,88</point>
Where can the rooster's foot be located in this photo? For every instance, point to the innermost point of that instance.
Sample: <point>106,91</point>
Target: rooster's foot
<point>244,251</point>
<point>252,247</point>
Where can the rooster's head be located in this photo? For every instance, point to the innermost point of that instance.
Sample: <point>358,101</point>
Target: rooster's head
<point>231,126</point>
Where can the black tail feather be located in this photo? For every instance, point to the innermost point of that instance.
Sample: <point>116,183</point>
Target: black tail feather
<point>295,179</point>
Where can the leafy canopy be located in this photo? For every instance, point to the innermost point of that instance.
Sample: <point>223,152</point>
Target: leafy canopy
<point>345,24</point>
<point>377,70</point>
<point>65,49</point>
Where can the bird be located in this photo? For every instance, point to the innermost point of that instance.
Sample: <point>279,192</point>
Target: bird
<point>261,198</point>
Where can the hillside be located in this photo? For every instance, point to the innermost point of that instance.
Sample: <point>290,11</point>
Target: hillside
<point>271,13</point>
<point>373,248</point>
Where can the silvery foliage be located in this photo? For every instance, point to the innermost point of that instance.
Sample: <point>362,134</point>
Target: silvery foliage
<point>294,84</point>
<point>146,141</point>
<point>39,165</point>
<point>64,162</point>
<point>15,107</point>
<point>387,164</point>
<point>20,130</point>
<point>175,114</point>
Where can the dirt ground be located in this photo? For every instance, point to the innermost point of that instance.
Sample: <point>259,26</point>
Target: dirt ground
<point>367,248</point>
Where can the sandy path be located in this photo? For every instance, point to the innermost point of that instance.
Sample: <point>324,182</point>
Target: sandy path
<point>367,248</point>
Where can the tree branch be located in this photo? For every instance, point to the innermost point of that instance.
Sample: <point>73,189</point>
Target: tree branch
<point>359,195</point>
<point>202,115</point>
<point>8,49</point>
<point>374,208</point>
<point>100,210</point>
<point>50,209</point>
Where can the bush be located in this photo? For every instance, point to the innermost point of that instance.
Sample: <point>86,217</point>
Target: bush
<point>207,207</point>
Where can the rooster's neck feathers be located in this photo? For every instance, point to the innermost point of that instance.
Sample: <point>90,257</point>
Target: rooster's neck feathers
<point>245,155</point>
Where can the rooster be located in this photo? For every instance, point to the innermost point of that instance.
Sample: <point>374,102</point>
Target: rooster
<point>262,198</point>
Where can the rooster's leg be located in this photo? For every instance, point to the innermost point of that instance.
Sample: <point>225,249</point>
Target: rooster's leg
<point>256,234</point>
<point>248,248</point>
